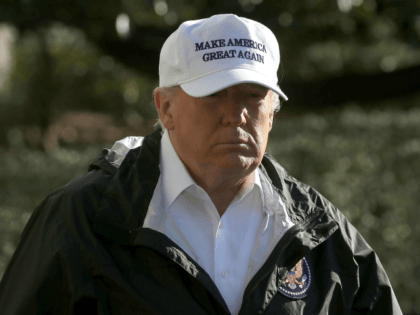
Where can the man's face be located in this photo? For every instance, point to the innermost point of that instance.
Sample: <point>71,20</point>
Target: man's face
<point>228,129</point>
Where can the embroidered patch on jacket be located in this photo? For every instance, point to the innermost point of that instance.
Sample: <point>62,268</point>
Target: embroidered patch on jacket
<point>297,282</point>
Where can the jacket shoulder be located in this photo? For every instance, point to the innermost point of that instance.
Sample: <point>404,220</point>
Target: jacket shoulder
<point>303,197</point>
<point>76,202</point>
<point>56,249</point>
<point>295,192</point>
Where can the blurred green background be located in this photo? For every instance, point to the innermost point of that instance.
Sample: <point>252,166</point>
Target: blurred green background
<point>75,76</point>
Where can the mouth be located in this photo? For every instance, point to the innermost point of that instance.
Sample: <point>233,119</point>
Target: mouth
<point>235,145</point>
<point>235,142</point>
<point>235,139</point>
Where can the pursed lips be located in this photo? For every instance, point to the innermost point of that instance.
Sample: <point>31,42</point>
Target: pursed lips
<point>236,138</point>
<point>235,142</point>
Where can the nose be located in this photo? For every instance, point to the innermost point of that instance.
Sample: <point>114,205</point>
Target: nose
<point>234,111</point>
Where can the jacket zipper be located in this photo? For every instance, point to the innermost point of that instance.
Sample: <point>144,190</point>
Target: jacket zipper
<point>293,230</point>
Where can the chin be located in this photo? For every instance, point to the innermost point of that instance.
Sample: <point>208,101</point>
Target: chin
<point>236,161</point>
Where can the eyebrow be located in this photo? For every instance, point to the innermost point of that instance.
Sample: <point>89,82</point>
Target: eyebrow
<point>260,87</point>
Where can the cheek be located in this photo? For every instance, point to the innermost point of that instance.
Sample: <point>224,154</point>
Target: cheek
<point>261,123</point>
<point>197,129</point>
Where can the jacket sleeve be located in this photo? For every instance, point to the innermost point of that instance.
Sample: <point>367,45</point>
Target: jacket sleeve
<point>35,280</point>
<point>51,269</point>
<point>375,295</point>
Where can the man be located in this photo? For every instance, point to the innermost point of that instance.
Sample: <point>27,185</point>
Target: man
<point>197,219</point>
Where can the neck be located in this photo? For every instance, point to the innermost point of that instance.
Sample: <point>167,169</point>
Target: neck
<point>221,186</point>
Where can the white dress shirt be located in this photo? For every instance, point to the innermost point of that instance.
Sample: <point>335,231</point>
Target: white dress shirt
<point>230,248</point>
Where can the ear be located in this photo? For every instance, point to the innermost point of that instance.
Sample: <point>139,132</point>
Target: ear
<point>164,106</point>
<point>270,97</point>
<point>271,120</point>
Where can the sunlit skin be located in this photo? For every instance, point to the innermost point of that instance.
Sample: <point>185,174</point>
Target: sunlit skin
<point>220,138</point>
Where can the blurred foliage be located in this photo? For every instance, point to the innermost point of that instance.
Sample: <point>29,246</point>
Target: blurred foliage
<point>318,37</point>
<point>364,36</point>
<point>59,71</point>
<point>77,73</point>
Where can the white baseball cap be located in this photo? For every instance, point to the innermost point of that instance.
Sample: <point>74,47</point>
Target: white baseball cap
<point>209,55</point>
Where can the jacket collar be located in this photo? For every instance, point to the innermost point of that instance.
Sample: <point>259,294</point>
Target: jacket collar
<point>124,205</point>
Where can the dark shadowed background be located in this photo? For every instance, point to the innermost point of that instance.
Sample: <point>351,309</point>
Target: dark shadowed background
<point>77,75</point>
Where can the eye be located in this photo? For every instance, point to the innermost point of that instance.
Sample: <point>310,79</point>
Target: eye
<point>211,100</point>
<point>256,96</point>
<point>212,96</point>
<point>256,93</point>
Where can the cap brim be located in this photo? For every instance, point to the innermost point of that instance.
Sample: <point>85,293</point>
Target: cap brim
<point>220,80</point>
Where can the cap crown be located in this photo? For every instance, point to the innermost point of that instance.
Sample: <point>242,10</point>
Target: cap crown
<point>239,49</point>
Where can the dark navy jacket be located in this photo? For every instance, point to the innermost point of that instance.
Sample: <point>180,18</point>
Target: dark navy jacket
<point>84,251</point>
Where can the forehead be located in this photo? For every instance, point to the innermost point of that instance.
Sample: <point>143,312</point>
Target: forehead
<point>254,86</point>
<point>248,86</point>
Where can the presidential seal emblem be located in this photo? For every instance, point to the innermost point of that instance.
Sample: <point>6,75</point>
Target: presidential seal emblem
<point>298,281</point>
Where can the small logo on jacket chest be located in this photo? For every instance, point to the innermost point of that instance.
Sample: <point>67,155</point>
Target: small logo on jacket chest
<point>298,281</point>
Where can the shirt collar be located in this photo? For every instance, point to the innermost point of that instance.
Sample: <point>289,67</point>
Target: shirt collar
<point>175,177</point>
<point>258,181</point>
<point>256,184</point>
